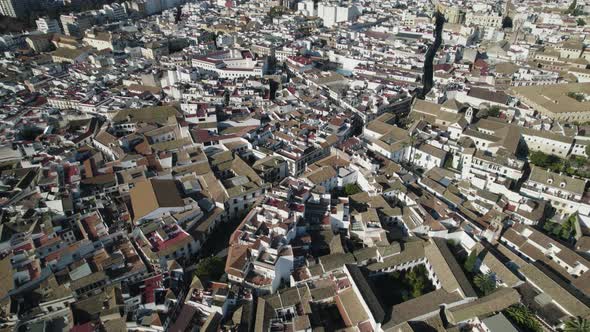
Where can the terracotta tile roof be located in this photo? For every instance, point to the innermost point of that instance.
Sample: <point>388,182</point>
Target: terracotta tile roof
<point>150,195</point>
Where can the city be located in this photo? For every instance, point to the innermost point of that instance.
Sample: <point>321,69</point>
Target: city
<point>294,165</point>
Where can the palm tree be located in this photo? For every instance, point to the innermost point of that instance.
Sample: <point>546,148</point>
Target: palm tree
<point>518,313</point>
<point>577,324</point>
<point>485,283</point>
<point>523,317</point>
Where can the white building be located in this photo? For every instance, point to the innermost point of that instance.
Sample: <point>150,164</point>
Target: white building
<point>48,25</point>
<point>76,24</point>
<point>99,40</point>
<point>324,176</point>
<point>427,156</point>
<point>340,216</point>
<point>255,261</point>
<point>13,8</point>
<point>232,63</point>
<point>476,165</point>
<point>332,14</point>
<point>306,8</point>
<point>530,242</point>
<point>115,11</point>
<point>483,19</point>
<point>564,192</point>
<point>547,142</point>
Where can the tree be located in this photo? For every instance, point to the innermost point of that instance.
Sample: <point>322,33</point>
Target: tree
<point>272,64</point>
<point>276,11</point>
<point>550,226</point>
<point>572,8</point>
<point>580,22</point>
<point>494,111</point>
<point>485,283</point>
<point>210,268</point>
<point>523,317</point>
<point>551,162</point>
<point>578,162</point>
<point>507,22</point>
<point>29,133</point>
<point>577,324</point>
<point>405,122</point>
<point>226,97</point>
<point>538,159</point>
<point>448,162</point>
<point>470,262</point>
<point>568,229</point>
<point>417,281</point>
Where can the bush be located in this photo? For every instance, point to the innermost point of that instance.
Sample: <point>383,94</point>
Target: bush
<point>576,95</point>
<point>352,189</point>
<point>549,226</point>
<point>452,242</point>
<point>577,161</point>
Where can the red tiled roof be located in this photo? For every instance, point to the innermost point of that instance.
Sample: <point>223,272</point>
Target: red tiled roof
<point>88,327</point>
<point>170,242</point>
<point>151,284</point>
<point>301,60</point>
